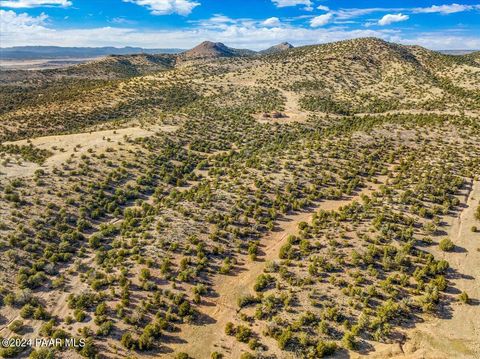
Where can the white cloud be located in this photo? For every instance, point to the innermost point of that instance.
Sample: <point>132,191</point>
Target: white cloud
<point>353,12</point>
<point>321,20</point>
<point>216,22</point>
<point>167,7</point>
<point>121,20</point>
<point>12,24</point>
<point>447,9</point>
<point>323,8</point>
<point>23,29</point>
<point>444,41</point>
<point>349,13</point>
<point>271,22</point>
<point>286,3</point>
<point>219,18</point>
<point>391,18</point>
<point>17,4</point>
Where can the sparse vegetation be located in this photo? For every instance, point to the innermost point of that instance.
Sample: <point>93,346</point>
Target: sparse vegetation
<point>313,234</point>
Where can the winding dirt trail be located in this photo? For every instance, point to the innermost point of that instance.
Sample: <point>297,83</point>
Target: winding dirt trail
<point>210,335</point>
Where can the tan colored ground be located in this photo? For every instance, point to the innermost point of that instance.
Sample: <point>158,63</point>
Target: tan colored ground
<point>422,112</point>
<point>64,147</point>
<point>451,336</point>
<point>293,112</point>
<point>436,338</point>
<point>209,337</point>
<point>42,64</point>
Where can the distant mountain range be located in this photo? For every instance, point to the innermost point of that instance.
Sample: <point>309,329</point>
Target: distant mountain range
<point>57,52</point>
<point>83,62</point>
<point>206,49</point>
<point>457,52</point>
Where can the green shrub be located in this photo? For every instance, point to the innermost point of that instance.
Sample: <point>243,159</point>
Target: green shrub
<point>46,329</point>
<point>263,281</point>
<point>128,341</point>
<point>229,329</point>
<point>145,274</point>
<point>82,301</point>
<point>60,334</point>
<point>9,299</point>
<point>253,343</point>
<point>247,300</point>
<point>243,333</point>
<point>463,297</point>
<point>41,314</point>
<point>446,245</point>
<point>325,348</point>
<point>16,326</point>
<point>27,311</point>
<point>79,315</point>
<point>12,351</point>
<point>285,338</point>
<point>42,353</point>
<point>348,341</point>
<point>88,350</point>
<point>105,328</point>
<point>185,309</point>
<point>285,251</point>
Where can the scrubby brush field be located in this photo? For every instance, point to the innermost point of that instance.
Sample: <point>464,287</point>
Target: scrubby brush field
<point>315,201</point>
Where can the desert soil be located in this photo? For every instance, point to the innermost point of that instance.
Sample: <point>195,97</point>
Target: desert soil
<point>444,337</point>
<point>210,336</point>
<point>65,146</point>
<point>452,334</point>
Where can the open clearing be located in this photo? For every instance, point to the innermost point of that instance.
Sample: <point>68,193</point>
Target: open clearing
<point>42,64</point>
<point>64,147</point>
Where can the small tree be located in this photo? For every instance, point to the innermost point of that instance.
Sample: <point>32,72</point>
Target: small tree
<point>446,245</point>
<point>463,297</point>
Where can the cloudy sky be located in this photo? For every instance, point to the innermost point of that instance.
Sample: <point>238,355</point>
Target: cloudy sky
<point>252,24</point>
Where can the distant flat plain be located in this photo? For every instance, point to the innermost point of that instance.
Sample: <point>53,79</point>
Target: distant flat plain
<point>42,64</point>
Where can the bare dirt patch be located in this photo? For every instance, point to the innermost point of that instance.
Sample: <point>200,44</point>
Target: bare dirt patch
<point>292,113</point>
<point>64,147</point>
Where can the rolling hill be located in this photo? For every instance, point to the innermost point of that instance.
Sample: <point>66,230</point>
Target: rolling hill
<point>277,48</point>
<point>212,50</point>
<point>355,76</point>
<point>110,67</point>
<point>314,201</point>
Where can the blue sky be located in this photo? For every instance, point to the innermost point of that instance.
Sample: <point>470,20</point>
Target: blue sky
<point>252,24</point>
